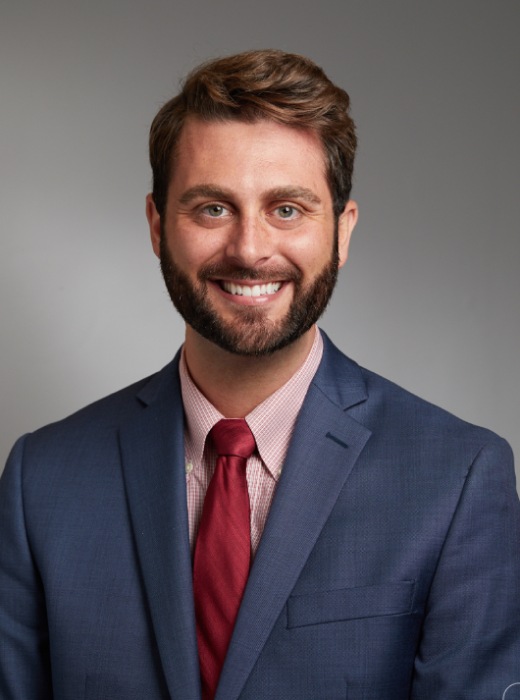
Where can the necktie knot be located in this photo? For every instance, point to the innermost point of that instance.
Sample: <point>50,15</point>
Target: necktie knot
<point>233,436</point>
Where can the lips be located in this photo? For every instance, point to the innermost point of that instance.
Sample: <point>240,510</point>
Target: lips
<point>254,290</point>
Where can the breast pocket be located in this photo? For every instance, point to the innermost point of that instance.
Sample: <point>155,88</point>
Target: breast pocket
<point>394,598</point>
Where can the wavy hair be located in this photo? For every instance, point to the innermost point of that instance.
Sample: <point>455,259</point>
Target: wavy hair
<point>265,84</point>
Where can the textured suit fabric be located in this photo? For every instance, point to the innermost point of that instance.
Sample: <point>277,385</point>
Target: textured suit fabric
<point>389,567</point>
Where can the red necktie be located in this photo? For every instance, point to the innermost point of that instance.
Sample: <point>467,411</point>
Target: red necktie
<point>223,549</point>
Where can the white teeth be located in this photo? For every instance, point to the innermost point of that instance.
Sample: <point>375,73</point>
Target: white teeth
<point>257,290</point>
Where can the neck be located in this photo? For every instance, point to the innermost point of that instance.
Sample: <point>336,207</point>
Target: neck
<point>235,384</point>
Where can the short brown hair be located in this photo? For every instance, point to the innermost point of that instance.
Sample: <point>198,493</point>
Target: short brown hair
<point>267,84</point>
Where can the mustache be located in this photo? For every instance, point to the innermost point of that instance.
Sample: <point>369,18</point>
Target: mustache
<point>266,273</point>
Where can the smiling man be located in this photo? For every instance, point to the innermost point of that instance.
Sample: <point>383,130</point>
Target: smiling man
<point>263,518</point>
<point>250,247</point>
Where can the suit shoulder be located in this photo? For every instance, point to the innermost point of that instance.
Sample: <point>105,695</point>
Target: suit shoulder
<point>103,415</point>
<point>389,409</point>
<point>416,418</point>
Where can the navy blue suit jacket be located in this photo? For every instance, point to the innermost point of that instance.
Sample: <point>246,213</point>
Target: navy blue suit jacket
<point>389,568</point>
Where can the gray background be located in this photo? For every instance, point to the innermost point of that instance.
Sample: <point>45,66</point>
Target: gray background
<point>430,296</point>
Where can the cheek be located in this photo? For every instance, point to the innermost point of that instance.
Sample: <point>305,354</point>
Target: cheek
<point>312,254</point>
<point>189,250</point>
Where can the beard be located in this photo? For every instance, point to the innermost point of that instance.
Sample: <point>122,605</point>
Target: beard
<point>251,333</point>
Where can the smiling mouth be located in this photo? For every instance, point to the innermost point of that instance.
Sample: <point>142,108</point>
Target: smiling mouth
<point>254,290</point>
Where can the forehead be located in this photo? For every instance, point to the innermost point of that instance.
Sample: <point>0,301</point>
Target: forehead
<point>248,154</point>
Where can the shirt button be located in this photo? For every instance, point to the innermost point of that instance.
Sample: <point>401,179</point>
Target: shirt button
<point>189,467</point>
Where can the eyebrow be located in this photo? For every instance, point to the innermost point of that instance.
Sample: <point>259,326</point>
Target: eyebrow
<point>206,191</point>
<point>278,193</point>
<point>295,193</point>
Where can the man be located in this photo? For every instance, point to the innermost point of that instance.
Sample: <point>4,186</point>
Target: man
<point>345,540</point>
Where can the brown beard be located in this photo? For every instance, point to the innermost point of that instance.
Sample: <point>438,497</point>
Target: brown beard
<point>254,334</point>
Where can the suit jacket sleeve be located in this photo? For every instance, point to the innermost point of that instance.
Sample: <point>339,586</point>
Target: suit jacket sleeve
<point>24,649</point>
<point>470,645</point>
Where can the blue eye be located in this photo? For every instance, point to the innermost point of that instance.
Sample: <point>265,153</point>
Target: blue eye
<point>215,211</point>
<point>286,211</point>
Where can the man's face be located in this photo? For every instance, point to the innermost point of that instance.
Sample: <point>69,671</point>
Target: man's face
<point>248,244</point>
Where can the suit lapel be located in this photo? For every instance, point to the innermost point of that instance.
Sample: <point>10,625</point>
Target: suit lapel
<point>324,448</point>
<point>152,447</point>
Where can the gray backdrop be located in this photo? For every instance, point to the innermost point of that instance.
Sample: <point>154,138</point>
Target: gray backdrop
<point>430,296</point>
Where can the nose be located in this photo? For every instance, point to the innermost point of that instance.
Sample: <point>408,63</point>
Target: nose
<point>250,242</point>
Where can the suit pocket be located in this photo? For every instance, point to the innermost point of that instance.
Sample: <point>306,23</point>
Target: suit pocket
<point>394,598</point>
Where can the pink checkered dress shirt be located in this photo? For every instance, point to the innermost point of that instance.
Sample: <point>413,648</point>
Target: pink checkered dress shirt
<point>271,422</point>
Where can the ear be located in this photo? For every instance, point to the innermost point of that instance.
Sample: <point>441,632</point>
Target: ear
<point>346,223</point>
<point>154,223</point>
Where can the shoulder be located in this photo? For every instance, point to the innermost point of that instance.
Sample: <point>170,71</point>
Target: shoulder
<point>401,420</point>
<point>424,426</point>
<point>95,425</point>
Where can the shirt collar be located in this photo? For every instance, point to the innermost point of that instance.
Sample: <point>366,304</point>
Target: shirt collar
<point>271,422</point>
